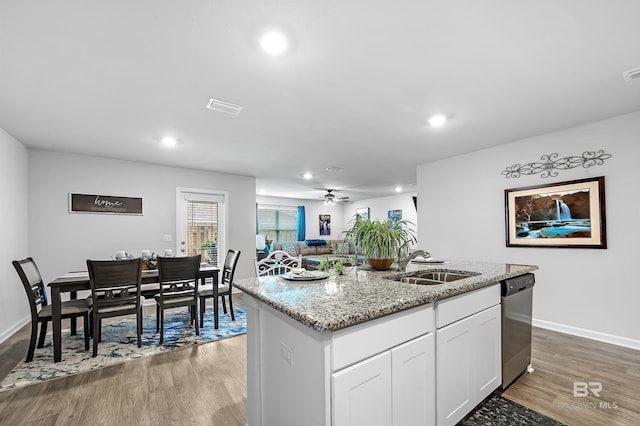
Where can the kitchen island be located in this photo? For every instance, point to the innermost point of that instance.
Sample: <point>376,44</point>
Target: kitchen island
<point>362,348</point>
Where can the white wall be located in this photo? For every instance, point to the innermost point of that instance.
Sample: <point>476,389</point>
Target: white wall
<point>61,241</point>
<point>313,209</point>
<point>14,308</point>
<point>589,292</point>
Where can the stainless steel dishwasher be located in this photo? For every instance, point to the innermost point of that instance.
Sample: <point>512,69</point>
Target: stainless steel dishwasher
<point>517,306</point>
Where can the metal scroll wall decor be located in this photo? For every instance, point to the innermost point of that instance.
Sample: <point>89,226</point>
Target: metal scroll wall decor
<point>551,163</point>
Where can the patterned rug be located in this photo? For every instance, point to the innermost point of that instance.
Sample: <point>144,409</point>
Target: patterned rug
<point>499,411</point>
<point>119,344</point>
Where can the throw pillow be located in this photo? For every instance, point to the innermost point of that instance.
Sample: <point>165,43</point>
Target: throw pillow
<point>342,248</point>
<point>312,243</point>
<point>289,248</point>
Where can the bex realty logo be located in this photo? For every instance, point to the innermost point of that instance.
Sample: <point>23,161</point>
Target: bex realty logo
<point>583,389</point>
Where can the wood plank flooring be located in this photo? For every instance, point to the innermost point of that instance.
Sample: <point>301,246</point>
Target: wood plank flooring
<point>206,385</point>
<point>559,360</point>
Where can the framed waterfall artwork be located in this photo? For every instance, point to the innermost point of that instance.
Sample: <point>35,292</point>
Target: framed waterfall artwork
<point>565,214</point>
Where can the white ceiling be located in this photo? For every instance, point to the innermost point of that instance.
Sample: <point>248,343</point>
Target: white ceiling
<point>110,78</point>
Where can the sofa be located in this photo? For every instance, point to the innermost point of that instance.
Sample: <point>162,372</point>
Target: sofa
<point>311,251</point>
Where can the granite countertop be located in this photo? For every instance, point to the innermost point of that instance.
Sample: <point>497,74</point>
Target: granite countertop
<point>361,295</point>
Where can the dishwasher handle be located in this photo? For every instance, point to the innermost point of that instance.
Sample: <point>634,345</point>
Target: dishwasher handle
<point>516,285</point>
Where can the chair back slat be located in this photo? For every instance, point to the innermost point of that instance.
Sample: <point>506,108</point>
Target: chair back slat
<point>32,282</point>
<point>178,274</point>
<point>114,273</point>
<point>115,282</point>
<point>229,268</point>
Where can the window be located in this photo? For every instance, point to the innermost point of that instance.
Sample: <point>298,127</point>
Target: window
<point>277,223</point>
<point>202,229</point>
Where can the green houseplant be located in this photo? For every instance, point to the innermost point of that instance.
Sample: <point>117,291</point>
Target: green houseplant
<point>382,242</point>
<point>210,247</point>
<point>339,265</point>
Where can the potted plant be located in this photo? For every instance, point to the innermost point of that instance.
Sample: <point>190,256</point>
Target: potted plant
<point>211,248</point>
<point>382,243</point>
<point>338,266</point>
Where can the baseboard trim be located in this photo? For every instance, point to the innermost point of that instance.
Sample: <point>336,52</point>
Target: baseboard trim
<point>14,328</point>
<point>588,334</point>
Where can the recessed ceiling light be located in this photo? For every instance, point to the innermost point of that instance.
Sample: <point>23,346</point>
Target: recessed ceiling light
<point>169,141</point>
<point>307,176</point>
<point>398,189</point>
<point>437,120</point>
<point>274,43</point>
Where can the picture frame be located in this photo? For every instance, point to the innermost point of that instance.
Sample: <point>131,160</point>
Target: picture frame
<point>394,214</point>
<point>568,214</point>
<point>324,224</point>
<point>104,204</point>
<point>362,213</point>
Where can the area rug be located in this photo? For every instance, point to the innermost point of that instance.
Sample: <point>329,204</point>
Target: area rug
<point>499,411</point>
<point>119,344</point>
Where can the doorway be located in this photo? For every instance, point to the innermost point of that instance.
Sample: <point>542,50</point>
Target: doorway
<point>200,221</point>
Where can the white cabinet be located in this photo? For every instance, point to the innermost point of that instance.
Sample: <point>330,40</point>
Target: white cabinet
<point>454,371</point>
<point>468,363</point>
<point>296,375</point>
<point>396,387</point>
<point>362,393</point>
<point>414,382</point>
<point>488,352</point>
<point>383,371</point>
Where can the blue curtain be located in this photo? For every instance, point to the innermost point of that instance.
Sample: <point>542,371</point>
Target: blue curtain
<point>302,227</point>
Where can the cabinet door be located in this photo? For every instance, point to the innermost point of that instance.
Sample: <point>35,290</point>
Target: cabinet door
<point>413,383</point>
<point>362,393</point>
<point>454,371</point>
<point>487,352</point>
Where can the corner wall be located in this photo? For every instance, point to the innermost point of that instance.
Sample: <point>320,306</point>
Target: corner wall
<point>61,241</point>
<point>588,292</point>
<point>14,308</point>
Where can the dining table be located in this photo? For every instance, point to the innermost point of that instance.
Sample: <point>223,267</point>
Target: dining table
<point>72,282</point>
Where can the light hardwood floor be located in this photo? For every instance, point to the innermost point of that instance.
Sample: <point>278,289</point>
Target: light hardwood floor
<point>206,385</point>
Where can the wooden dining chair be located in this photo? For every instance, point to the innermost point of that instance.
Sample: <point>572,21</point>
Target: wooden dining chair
<point>115,291</point>
<point>224,288</point>
<point>41,310</point>
<point>278,262</point>
<point>178,277</point>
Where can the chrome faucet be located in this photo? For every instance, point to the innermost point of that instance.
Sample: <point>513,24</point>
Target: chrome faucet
<point>402,264</point>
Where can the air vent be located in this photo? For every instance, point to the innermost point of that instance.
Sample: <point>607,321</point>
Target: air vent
<point>334,169</point>
<point>222,106</point>
<point>633,74</point>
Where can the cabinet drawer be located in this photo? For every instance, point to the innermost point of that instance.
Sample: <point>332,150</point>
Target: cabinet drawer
<point>361,341</point>
<point>463,305</point>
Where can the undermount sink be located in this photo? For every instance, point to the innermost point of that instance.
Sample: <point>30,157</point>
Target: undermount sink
<point>431,277</point>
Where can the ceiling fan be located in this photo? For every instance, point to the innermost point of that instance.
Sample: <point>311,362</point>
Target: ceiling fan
<point>330,198</point>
